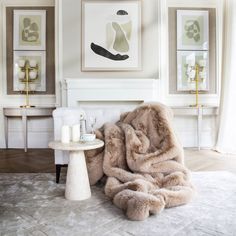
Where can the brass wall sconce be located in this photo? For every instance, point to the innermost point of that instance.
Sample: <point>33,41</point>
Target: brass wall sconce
<point>28,74</point>
<point>196,73</point>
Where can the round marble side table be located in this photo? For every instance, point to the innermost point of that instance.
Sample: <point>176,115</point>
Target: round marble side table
<point>77,181</point>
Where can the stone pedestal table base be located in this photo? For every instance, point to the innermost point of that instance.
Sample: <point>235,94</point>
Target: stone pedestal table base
<point>77,181</point>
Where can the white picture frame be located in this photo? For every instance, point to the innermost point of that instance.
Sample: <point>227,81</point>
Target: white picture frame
<point>102,21</point>
<point>184,82</point>
<point>40,58</point>
<point>29,30</point>
<point>192,30</point>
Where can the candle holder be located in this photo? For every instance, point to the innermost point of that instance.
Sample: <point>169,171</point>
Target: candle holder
<point>195,73</point>
<point>27,75</point>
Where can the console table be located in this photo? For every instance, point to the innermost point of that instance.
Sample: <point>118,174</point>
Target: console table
<point>200,112</point>
<point>24,113</point>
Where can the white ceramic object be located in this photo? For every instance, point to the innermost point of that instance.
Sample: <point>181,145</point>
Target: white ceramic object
<point>65,134</point>
<point>75,133</point>
<point>88,137</point>
<point>32,74</point>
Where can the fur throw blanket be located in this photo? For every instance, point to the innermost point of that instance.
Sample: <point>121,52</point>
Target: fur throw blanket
<point>143,161</point>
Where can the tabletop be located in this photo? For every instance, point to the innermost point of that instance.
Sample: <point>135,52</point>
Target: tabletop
<point>76,146</point>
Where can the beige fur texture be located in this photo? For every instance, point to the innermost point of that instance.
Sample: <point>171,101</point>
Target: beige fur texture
<point>143,161</point>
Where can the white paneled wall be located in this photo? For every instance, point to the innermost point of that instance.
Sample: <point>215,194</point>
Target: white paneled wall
<point>186,128</point>
<point>40,130</point>
<point>68,65</point>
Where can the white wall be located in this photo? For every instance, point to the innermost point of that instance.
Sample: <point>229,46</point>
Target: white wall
<point>40,130</point>
<point>154,61</point>
<point>187,126</point>
<point>71,13</point>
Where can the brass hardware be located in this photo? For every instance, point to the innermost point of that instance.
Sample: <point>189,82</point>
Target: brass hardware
<point>27,69</point>
<point>198,69</point>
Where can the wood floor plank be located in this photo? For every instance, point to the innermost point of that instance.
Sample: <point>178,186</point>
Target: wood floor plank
<point>42,161</point>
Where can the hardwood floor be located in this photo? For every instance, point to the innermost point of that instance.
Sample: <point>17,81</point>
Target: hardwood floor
<point>42,161</point>
<point>208,160</point>
<point>33,161</point>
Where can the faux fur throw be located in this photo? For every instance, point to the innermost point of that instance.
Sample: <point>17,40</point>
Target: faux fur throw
<point>143,162</point>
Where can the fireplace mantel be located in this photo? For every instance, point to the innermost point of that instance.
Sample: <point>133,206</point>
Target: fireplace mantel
<point>116,90</point>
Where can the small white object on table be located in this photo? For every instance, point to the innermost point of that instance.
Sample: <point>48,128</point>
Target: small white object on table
<point>77,181</point>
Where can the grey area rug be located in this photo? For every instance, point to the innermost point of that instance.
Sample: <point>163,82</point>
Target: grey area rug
<point>33,204</point>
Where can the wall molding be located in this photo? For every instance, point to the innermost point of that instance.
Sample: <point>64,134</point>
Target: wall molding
<point>39,134</point>
<point>110,89</point>
<point>187,99</point>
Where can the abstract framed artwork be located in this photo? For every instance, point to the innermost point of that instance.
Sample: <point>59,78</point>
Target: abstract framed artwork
<point>111,35</point>
<point>39,57</point>
<point>29,30</point>
<point>192,30</point>
<point>186,75</point>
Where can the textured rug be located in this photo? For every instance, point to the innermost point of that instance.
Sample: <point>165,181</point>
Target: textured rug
<point>33,204</point>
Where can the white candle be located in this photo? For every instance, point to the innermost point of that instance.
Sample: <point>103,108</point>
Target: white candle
<point>76,133</point>
<point>65,134</point>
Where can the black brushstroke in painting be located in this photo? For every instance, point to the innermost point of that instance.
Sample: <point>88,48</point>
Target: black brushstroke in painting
<point>121,12</point>
<point>105,53</point>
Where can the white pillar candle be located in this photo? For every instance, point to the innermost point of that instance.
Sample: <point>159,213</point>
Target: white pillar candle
<point>65,134</point>
<point>76,133</point>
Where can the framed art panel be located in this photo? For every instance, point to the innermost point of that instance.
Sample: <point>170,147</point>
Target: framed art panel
<point>49,49</point>
<point>111,35</point>
<point>29,29</point>
<point>192,30</point>
<point>39,58</point>
<point>186,73</point>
